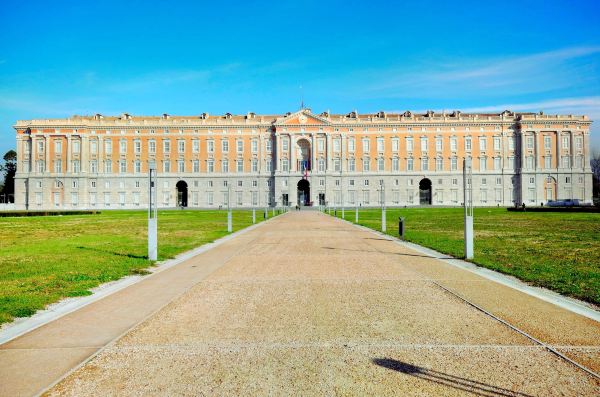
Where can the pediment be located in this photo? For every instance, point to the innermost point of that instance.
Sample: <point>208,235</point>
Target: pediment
<point>302,117</point>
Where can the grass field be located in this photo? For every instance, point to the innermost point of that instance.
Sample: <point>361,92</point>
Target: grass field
<point>559,251</point>
<point>44,259</point>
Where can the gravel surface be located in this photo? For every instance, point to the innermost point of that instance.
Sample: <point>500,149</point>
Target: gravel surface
<point>318,307</point>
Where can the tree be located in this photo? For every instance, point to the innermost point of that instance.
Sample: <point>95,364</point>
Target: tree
<point>595,163</point>
<point>9,168</point>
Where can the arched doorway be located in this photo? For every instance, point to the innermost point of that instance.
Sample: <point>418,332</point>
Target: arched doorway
<point>425,192</point>
<point>550,188</point>
<point>303,192</point>
<point>303,155</point>
<point>182,194</point>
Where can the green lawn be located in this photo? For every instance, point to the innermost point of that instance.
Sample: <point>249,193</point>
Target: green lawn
<point>559,251</point>
<point>46,258</point>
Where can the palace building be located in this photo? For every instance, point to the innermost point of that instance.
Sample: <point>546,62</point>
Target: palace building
<point>207,161</point>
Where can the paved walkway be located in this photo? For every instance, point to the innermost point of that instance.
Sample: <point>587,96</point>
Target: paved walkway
<point>308,305</point>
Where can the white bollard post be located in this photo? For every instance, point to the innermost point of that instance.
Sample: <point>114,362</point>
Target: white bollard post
<point>383,220</point>
<point>253,215</point>
<point>229,222</point>
<point>152,217</point>
<point>468,204</point>
<point>356,214</point>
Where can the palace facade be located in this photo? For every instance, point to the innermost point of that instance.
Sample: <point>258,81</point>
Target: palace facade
<point>206,161</point>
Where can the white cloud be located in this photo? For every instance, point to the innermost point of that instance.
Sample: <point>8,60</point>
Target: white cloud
<point>541,72</point>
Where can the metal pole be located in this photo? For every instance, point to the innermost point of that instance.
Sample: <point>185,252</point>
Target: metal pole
<point>356,211</point>
<point>468,205</point>
<point>152,216</point>
<point>229,217</point>
<point>383,215</point>
<point>342,192</point>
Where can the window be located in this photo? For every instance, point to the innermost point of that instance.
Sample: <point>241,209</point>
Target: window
<point>76,166</point>
<point>195,146</point>
<point>195,166</point>
<point>180,166</point>
<point>136,198</point>
<point>337,146</point>
<point>532,180</point>
<point>285,165</point>
<point>268,165</point>
<point>547,143</point>
<point>424,164</point>
<point>530,162</point>
<point>337,165</point>
<point>57,166</point>
<point>107,199</point>
<point>565,142</point>
<point>254,146</point>
<point>166,146</point>
<point>380,164</point>
<point>498,181</point>
<point>395,164</point>
<point>579,142</point>
<point>529,142</point>
<point>76,147</point>
<point>240,183</point>
<point>497,163</point>
<point>181,146</point>
<point>366,182</point>
<point>395,144</point>
<point>366,164</point>
<point>239,144</point>
<point>94,166</point>
<point>423,144</point>
<point>366,197</point>
<point>285,144</point>
<point>240,165</point>
<point>453,164</point>
<point>152,146</point>
<point>409,144</point>
<point>57,146</point>
<point>483,181</point>
<point>122,199</point>
<point>380,144</point>
<point>122,166</point>
<point>269,145</point>
<point>40,146</point>
<point>321,165</point>
<point>210,166</point>
<point>107,167</point>
<point>123,146</point>
<point>482,144</point>
<point>321,145</point>
<point>137,146</point>
<point>74,184</point>
<point>209,198</point>
<point>482,163</point>
<point>566,162</point>
<point>254,165</point>
<point>365,145</point>
<point>438,144</point>
<point>483,196</point>
<point>351,144</point>
<point>351,165</point>
<point>166,166</point>
<point>579,162</point>
<point>468,143</point>
<point>224,165</point>
<point>439,164</point>
<point>511,143</point>
<point>453,144</point>
<point>496,143</point>
<point>548,162</point>
<point>409,164</point>
<point>108,147</point>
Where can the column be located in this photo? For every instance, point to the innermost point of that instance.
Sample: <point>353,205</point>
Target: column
<point>34,154</point>
<point>84,151</point>
<point>313,163</point>
<point>572,150</point>
<point>535,151</point>
<point>586,152</point>
<point>558,143</point>
<point>69,153</point>
<point>47,152</point>
<point>275,153</point>
<point>292,157</point>
<point>328,153</point>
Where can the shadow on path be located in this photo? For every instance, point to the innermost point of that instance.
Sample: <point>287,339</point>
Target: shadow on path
<point>456,382</point>
<point>389,253</point>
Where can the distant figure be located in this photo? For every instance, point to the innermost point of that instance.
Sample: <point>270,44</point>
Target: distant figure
<point>542,203</point>
<point>523,206</point>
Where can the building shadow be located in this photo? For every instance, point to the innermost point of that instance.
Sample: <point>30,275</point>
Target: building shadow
<point>456,382</point>
<point>389,253</point>
<point>113,252</point>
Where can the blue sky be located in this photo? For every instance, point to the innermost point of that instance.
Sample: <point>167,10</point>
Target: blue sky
<point>151,57</point>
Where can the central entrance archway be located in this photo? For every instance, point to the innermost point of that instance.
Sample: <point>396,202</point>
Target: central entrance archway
<point>303,192</point>
<point>182,194</point>
<point>425,192</point>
